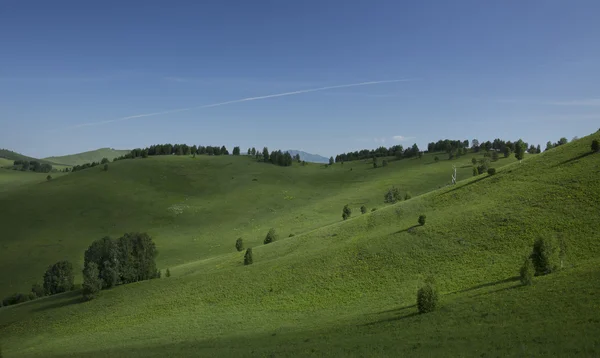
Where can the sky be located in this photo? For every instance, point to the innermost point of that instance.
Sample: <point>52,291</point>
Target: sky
<point>81,75</point>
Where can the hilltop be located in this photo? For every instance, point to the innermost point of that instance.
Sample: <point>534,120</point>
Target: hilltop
<point>11,156</point>
<point>336,287</point>
<point>307,157</point>
<point>88,157</point>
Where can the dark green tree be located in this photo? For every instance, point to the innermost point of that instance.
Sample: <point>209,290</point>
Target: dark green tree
<point>168,273</point>
<point>248,259</point>
<point>253,151</point>
<point>507,151</point>
<point>392,195</point>
<point>474,161</point>
<point>236,150</point>
<point>495,156</point>
<point>436,159</point>
<point>105,167</point>
<point>239,244</point>
<point>346,212</point>
<point>545,256</point>
<point>538,149</point>
<point>562,141</point>
<point>331,161</point>
<point>427,298</point>
<point>475,171</point>
<point>407,196</point>
<point>92,284</point>
<point>59,278</point>
<point>527,271</point>
<point>384,163</point>
<point>38,290</point>
<point>422,219</point>
<point>271,237</point>
<point>106,255</point>
<point>363,209</point>
<point>104,161</point>
<point>491,171</point>
<point>49,177</point>
<point>595,146</point>
<point>265,154</point>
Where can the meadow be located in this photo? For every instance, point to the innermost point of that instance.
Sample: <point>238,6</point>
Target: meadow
<point>336,287</point>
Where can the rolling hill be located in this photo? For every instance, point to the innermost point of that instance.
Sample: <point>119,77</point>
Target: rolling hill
<point>88,157</point>
<point>312,158</point>
<point>336,287</point>
<point>12,156</point>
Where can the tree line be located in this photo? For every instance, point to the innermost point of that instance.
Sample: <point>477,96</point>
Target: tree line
<point>107,263</point>
<point>32,165</point>
<point>394,151</point>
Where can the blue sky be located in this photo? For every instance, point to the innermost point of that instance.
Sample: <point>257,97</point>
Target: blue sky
<point>70,70</point>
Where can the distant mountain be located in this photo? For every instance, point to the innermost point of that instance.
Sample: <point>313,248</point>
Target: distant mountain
<point>12,156</point>
<point>88,157</point>
<point>313,158</point>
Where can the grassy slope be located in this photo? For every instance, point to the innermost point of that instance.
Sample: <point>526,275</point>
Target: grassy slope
<point>12,180</point>
<point>88,157</point>
<point>12,156</point>
<point>194,208</point>
<point>348,288</point>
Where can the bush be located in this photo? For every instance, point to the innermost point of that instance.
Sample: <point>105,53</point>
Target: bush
<point>49,177</point>
<point>545,256</point>
<point>375,165</point>
<point>407,196</point>
<point>58,278</point>
<point>392,195</point>
<point>384,163</point>
<point>422,220</point>
<point>374,209</point>
<point>248,260</point>
<point>427,298</point>
<point>271,237</point>
<point>474,161</point>
<point>92,284</point>
<point>105,167</point>
<point>168,272</point>
<point>346,212</point>
<point>239,244</point>
<point>363,209</point>
<point>495,156</point>
<point>527,272</point>
<point>291,235</point>
<point>595,145</point>
<point>436,159</point>
<point>38,290</point>
<point>491,171</point>
<point>475,171</point>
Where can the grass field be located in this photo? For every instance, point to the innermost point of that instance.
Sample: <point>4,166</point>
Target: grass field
<point>88,157</point>
<point>11,180</point>
<point>336,288</point>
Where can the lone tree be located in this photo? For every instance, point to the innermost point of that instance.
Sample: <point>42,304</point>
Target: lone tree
<point>436,159</point>
<point>168,273</point>
<point>427,298</point>
<point>59,278</point>
<point>392,195</point>
<point>92,284</point>
<point>527,271</point>
<point>346,212</point>
<point>520,150</point>
<point>595,146</point>
<point>105,167</point>
<point>271,237</point>
<point>239,244</point>
<point>474,161</point>
<point>248,257</point>
<point>422,219</point>
<point>363,209</point>
<point>49,177</point>
<point>104,161</point>
<point>545,256</point>
<point>331,161</point>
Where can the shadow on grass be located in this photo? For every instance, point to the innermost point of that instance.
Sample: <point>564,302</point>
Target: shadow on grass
<point>573,159</point>
<point>67,299</point>
<point>489,284</point>
<point>391,319</point>
<point>498,290</point>
<point>407,229</point>
<point>485,176</point>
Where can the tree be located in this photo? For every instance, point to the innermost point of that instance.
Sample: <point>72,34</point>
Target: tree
<point>92,284</point>
<point>253,151</point>
<point>346,212</point>
<point>595,146</point>
<point>475,145</point>
<point>427,298</point>
<point>527,271</point>
<point>562,141</point>
<point>105,167</point>
<point>506,151</point>
<point>495,156</point>
<point>384,163</point>
<point>520,150</point>
<point>419,155</point>
<point>538,149</point>
<point>407,196</point>
<point>363,209</point>
<point>549,145</point>
<point>392,195</point>
<point>545,256</point>
<point>475,171</point>
<point>265,154</point>
<point>236,150</point>
<point>168,273</point>
<point>491,171</point>
<point>271,236</point>
<point>422,219</point>
<point>38,290</point>
<point>248,259</point>
<point>239,244</point>
<point>104,161</point>
<point>224,151</point>
<point>436,159</point>
<point>49,177</point>
<point>375,165</point>
<point>106,255</point>
<point>474,161</point>
<point>331,161</point>
<point>59,278</point>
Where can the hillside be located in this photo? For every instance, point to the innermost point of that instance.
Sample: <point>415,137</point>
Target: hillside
<point>12,156</point>
<point>336,288</point>
<point>307,157</point>
<point>88,157</point>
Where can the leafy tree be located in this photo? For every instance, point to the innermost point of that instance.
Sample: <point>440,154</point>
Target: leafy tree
<point>562,141</point>
<point>236,150</point>
<point>475,145</point>
<point>253,151</point>
<point>474,161</point>
<point>495,156</point>
<point>137,255</point>
<point>392,195</point>
<point>346,212</point>
<point>224,151</point>
<point>595,145</point>
<point>475,171</point>
<point>331,161</point>
<point>265,154</point>
<point>491,171</point>
<point>104,161</point>
<point>363,209</point>
<point>248,259</point>
<point>49,177</point>
<point>538,149</point>
<point>239,244</point>
<point>106,255</point>
<point>271,237</point>
<point>59,278</point>
<point>168,273</point>
<point>38,290</point>
<point>507,151</point>
<point>291,235</point>
<point>419,155</point>
<point>92,284</point>
<point>105,167</point>
<point>545,256</point>
<point>422,219</point>
<point>549,145</point>
<point>427,298</point>
<point>527,271</point>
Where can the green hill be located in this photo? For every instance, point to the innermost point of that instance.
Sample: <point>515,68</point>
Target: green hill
<point>337,287</point>
<point>11,156</point>
<point>88,157</point>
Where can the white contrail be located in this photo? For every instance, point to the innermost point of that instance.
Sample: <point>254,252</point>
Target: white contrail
<point>236,101</point>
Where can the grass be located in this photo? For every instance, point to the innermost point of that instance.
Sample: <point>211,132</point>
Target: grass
<point>12,180</point>
<point>12,156</point>
<point>88,157</point>
<point>336,288</point>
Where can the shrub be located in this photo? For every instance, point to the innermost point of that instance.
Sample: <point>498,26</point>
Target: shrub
<point>271,237</point>
<point>346,212</point>
<point>407,196</point>
<point>427,298</point>
<point>545,256</point>
<point>384,163</point>
<point>59,278</point>
<point>168,272</point>
<point>527,272</point>
<point>92,284</point>
<point>474,160</point>
<point>374,209</point>
<point>104,161</point>
<point>436,159</point>
<point>392,195</point>
<point>31,296</point>
<point>291,235</point>
<point>475,171</point>
<point>363,209</point>
<point>495,156</point>
<point>595,145</point>
<point>105,167</point>
<point>37,290</point>
<point>422,220</point>
<point>375,165</point>
<point>239,244</point>
<point>491,171</point>
<point>49,177</point>
<point>248,260</point>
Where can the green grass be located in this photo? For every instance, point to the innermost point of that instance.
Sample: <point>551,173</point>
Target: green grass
<point>12,156</point>
<point>336,288</point>
<point>88,157</point>
<point>12,180</point>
